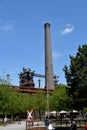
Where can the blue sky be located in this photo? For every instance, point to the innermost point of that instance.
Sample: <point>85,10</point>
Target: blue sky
<point>22,34</point>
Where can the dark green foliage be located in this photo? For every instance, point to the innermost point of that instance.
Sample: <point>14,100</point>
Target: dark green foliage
<point>76,77</point>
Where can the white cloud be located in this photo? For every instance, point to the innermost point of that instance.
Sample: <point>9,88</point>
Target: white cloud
<point>68,29</point>
<point>55,55</point>
<point>6,26</point>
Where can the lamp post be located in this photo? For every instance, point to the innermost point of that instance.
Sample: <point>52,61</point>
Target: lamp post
<point>47,83</point>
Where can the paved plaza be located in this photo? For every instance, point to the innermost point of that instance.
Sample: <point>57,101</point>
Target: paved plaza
<point>14,126</point>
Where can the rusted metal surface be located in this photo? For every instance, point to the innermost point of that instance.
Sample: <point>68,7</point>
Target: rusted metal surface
<point>37,128</point>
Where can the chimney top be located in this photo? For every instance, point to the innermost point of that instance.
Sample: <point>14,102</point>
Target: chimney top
<point>46,25</point>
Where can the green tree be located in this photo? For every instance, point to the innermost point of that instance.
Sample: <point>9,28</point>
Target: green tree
<point>13,102</point>
<point>59,100</point>
<point>40,102</point>
<point>76,77</point>
<point>5,81</point>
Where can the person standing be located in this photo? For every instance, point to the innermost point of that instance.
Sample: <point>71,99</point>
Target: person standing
<point>50,127</point>
<point>29,114</point>
<point>46,122</point>
<point>30,117</point>
<point>5,121</point>
<point>86,126</point>
<point>73,125</point>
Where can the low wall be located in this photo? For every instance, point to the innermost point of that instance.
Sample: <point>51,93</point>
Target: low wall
<point>37,128</point>
<point>57,128</point>
<point>68,128</point>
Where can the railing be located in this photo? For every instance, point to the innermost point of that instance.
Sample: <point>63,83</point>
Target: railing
<point>58,124</point>
<point>29,123</point>
<point>35,125</point>
<point>67,123</point>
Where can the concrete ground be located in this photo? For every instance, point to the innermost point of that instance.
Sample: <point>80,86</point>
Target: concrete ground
<point>16,126</point>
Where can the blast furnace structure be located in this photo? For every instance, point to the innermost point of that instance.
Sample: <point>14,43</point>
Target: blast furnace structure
<point>26,77</point>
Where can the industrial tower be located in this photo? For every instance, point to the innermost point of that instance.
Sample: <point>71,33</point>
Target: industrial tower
<point>49,75</point>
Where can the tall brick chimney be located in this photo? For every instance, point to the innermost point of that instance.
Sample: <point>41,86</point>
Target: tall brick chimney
<point>49,75</point>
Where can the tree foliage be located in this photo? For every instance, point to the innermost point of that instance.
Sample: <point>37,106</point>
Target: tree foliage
<point>13,102</point>
<point>59,100</point>
<point>76,77</point>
